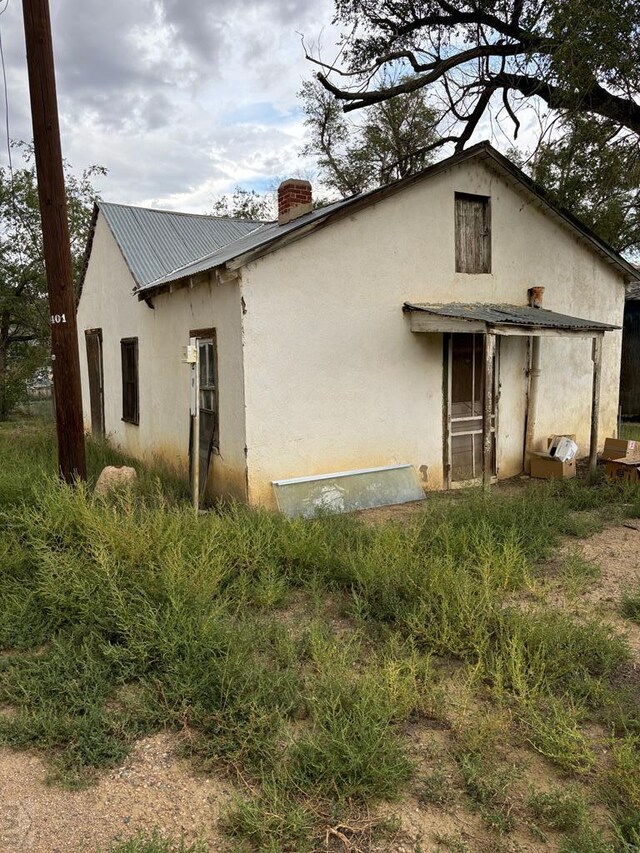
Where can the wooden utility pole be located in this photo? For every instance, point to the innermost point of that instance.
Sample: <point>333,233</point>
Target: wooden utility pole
<point>55,233</point>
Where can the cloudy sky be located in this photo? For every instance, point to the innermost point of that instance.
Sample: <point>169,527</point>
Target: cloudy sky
<point>180,100</point>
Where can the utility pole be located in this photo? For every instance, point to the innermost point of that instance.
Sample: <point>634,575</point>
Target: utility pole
<point>55,233</point>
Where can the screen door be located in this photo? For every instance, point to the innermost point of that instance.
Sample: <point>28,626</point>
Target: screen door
<point>464,408</point>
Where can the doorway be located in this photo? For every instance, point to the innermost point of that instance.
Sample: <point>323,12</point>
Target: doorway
<point>204,408</point>
<point>464,409</point>
<point>208,407</point>
<point>93,341</point>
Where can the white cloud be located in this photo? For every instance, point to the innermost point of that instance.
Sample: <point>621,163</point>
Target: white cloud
<point>180,101</point>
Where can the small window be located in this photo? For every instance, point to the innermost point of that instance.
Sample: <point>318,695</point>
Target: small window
<point>129,353</point>
<point>473,233</point>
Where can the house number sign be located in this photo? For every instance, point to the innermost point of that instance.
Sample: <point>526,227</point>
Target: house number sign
<point>58,318</point>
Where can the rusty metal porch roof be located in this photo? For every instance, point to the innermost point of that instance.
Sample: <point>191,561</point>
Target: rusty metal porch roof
<point>509,316</point>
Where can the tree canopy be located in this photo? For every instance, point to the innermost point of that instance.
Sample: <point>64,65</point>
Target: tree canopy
<point>578,57</point>
<point>391,142</point>
<point>246,204</point>
<point>594,171</point>
<point>24,312</point>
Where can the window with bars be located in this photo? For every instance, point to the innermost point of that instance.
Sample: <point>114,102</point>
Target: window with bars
<point>129,356</point>
<point>473,233</point>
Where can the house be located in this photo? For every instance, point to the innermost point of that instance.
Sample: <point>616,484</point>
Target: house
<point>630,371</point>
<point>450,321</point>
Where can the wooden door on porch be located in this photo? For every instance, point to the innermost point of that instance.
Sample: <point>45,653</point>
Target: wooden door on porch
<point>93,340</point>
<point>464,358</point>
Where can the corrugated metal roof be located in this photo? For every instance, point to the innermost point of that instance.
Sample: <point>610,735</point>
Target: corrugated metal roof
<point>262,236</point>
<point>269,237</point>
<point>155,242</point>
<point>510,315</point>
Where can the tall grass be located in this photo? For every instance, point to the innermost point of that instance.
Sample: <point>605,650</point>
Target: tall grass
<point>124,614</point>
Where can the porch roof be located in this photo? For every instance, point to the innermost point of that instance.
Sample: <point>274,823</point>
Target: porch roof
<point>499,320</point>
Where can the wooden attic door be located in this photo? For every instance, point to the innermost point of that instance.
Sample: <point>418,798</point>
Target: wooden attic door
<point>464,354</point>
<point>93,340</point>
<point>473,233</point>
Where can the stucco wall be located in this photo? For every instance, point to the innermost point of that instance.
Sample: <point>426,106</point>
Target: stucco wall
<point>335,380</point>
<point>163,432</point>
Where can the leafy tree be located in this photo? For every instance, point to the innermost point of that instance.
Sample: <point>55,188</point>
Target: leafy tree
<point>393,141</point>
<point>24,314</point>
<point>577,57</point>
<point>249,204</point>
<point>246,204</point>
<point>594,171</point>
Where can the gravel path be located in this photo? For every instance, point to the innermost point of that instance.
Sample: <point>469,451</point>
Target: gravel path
<point>153,788</point>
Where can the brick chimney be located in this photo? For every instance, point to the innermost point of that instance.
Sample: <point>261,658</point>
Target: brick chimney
<point>294,199</point>
<point>535,296</point>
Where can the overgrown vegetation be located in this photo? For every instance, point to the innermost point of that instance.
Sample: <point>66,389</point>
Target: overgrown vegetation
<point>155,844</point>
<point>296,655</point>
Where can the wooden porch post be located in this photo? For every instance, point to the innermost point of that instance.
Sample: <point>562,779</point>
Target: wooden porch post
<point>487,409</point>
<point>596,357</point>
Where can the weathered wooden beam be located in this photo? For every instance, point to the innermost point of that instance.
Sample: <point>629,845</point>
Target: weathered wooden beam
<point>596,357</point>
<point>487,409</point>
<point>421,321</point>
<point>225,276</point>
<point>537,332</point>
<point>447,370</point>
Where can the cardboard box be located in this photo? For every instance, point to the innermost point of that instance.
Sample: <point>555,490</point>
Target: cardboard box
<point>620,448</point>
<point>546,467</point>
<point>553,438</point>
<point>627,470</point>
<point>562,447</point>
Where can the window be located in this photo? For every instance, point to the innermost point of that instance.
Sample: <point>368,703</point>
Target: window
<point>473,233</point>
<point>129,354</point>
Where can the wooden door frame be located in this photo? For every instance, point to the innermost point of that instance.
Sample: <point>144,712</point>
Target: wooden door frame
<point>447,379</point>
<point>206,334</point>
<point>97,333</point>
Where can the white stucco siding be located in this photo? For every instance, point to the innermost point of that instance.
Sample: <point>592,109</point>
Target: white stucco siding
<point>162,435</point>
<point>334,378</point>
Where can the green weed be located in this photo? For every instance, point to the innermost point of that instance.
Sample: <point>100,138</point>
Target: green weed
<point>453,843</point>
<point>436,787</point>
<point>488,785</point>
<point>630,605</point>
<point>587,840</point>
<point>620,790</point>
<point>553,728</point>
<point>273,822</point>
<point>125,614</point>
<point>155,843</point>
<point>577,573</point>
<point>562,809</point>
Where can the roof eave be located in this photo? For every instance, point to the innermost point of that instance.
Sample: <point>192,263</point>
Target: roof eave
<point>87,252</point>
<point>485,151</point>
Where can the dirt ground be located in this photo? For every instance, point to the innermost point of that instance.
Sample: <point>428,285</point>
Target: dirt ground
<point>616,552</point>
<point>155,788</point>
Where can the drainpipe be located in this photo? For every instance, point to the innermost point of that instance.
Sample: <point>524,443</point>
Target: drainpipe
<point>535,301</point>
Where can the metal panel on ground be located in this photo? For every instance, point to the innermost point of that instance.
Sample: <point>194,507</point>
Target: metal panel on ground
<point>346,491</point>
